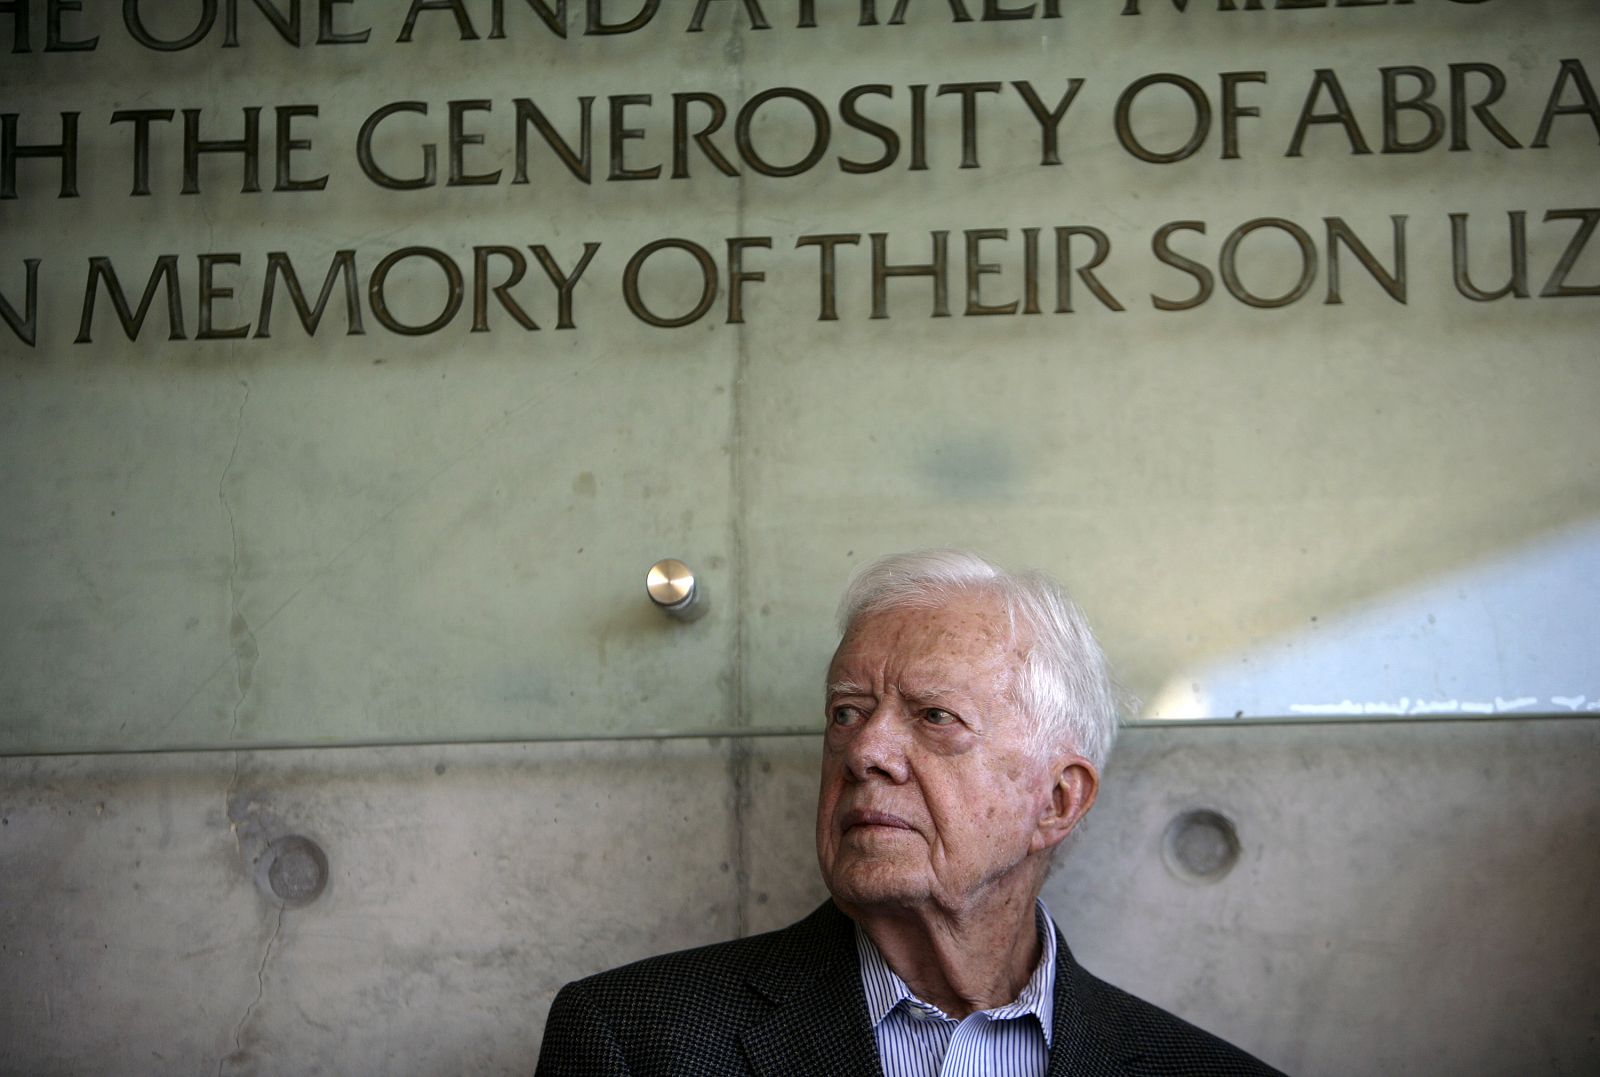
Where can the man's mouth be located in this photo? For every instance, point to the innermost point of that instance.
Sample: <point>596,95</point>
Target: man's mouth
<point>866,817</point>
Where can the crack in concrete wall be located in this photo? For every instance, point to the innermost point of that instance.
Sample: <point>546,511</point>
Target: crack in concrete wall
<point>238,1054</point>
<point>241,637</point>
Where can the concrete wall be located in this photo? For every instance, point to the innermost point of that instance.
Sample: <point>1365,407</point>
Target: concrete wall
<point>1408,897</point>
<point>216,536</point>
<point>230,525</point>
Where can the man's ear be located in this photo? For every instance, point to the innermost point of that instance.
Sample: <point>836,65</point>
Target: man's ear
<point>1071,795</point>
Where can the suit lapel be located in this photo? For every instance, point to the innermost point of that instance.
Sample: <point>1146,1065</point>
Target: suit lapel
<point>818,1023</point>
<point>1081,1045</point>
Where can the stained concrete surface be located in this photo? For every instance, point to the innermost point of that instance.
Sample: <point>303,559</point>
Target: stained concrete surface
<point>466,884</point>
<point>1409,897</point>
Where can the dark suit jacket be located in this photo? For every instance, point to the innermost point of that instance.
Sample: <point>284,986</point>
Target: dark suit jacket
<point>790,1002</point>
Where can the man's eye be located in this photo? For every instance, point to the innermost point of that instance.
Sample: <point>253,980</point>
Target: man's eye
<point>845,715</point>
<point>935,716</point>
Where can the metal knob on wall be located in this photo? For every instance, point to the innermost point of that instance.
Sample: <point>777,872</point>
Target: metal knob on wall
<point>675,590</point>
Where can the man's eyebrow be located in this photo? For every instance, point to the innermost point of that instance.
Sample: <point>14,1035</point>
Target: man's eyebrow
<point>846,688</point>
<point>925,691</point>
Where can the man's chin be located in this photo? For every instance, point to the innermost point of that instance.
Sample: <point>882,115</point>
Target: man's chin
<point>880,885</point>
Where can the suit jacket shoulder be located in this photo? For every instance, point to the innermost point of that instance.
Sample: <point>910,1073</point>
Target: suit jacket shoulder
<point>786,1002</point>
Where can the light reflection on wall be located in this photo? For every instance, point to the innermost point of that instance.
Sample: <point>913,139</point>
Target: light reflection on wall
<point>1516,634</point>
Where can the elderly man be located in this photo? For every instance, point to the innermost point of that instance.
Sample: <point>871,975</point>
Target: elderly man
<point>969,714</point>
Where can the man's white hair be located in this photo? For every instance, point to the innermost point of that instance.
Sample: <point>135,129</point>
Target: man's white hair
<point>1063,686</point>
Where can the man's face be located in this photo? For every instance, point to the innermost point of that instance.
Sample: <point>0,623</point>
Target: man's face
<point>929,790</point>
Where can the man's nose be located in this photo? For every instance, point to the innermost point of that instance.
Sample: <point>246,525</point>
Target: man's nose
<point>878,749</point>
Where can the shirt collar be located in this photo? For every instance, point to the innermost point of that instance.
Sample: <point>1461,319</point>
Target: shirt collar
<point>885,990</point>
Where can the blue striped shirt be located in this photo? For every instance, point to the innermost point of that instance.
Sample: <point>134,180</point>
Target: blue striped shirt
<point>916,1039</point>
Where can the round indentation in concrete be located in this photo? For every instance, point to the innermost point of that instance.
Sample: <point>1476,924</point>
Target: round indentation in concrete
<point>297,871</point>
<point>1201,845</point>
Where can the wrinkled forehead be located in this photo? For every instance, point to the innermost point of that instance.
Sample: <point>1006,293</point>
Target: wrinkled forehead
<point>956,633</point>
